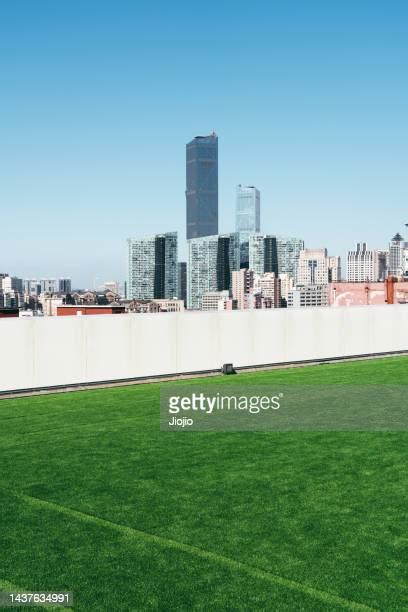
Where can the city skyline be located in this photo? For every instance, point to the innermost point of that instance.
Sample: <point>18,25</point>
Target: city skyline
<point>94,133</point>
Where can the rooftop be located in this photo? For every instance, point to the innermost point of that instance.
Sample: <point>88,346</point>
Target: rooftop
<point>119,512</point>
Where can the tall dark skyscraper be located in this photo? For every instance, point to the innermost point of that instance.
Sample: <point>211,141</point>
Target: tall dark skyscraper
<point>182,281</point>
<point>202,186</point>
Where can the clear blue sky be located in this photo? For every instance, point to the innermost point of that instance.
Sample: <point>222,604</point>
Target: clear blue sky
<point>309,99</point>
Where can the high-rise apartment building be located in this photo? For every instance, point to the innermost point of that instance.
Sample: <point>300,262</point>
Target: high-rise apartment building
<point>286,285</point>
<point>64,285</point>
<point>317,268</point>
<point>363,265</point>
<point>288,255</point>
<point>211,259</point>
<point>242,283</point>
<point>202,186</point>
<point>247,218</point>
<point>152,267</point>
<point>263,253</point>
<point>31,286</point>
<point>11,291</point>
<point>268,286</point>
<point>11,283</point>
<point>383,258</point>
<point>405,259</point>
<point>46,285</point>
<point>182,281</point>
<point>397,256</point>
<point>334,268</point>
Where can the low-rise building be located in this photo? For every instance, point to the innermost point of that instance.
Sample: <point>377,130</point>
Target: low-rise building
<point>172,305</point>
<point>310,295</point>
<point>7,313</point>
<point>214,300</point>
<point>390,291</point>
<point>50,304</point>
<point>153,306</point>
<point>88,309</point>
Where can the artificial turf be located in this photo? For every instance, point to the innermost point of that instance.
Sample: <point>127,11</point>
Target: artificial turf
<point>96,500</point>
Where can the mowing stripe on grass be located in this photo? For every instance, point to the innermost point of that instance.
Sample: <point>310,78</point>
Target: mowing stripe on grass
<point>102,424</point>
<point>147,400</point>
<point>135,534</point>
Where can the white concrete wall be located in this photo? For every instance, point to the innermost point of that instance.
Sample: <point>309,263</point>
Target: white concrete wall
<point>41,352</point>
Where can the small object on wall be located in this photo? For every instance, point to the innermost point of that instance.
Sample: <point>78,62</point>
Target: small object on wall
<point>228,368</point>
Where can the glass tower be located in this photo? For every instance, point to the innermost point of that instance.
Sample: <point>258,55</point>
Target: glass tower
<point>211,259</point>
<point>202,186</point>
<point>152,267</point>
<point>288,255</point>
<point>247,218</point>
<point>263,254</point>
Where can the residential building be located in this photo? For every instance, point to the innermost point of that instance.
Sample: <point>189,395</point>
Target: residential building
<point>202,186</point>
<point>46,285</point>
<point>11,291</point>
<point>317,268</point>
<point>152,267</point>
<point>397,256</point>
<point>310,295</point>
<point>153,306</point>
<point>247,218</point>
<point>50,304</point>
<point>11,283</point>
<point>182,281</point>
<point>112,286</point>
<point>9,299</point>
<point>363,265</point>
<point>383,259</point>
<point>263,254</point>
<point>242,283</point>
<point>173,305</point>
<point>211,259</point>
<point>288,255</point>
<point>229,304</point>
<point>214,300</point>
<point>334,268</point>
<point>64,285</point>
<point>84,297</point>
<point>31,287</point>
<point>268,286</point>
<point>286,285</point>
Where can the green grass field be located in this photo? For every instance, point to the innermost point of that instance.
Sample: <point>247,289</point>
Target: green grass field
<point>96,500</point>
